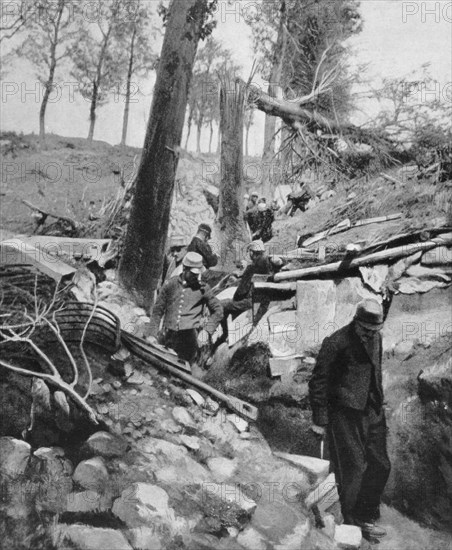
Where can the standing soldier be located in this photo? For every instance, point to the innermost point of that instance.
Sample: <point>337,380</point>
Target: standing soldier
<point>200,244</point>
<point>181,303</point>
<point>346,396</point>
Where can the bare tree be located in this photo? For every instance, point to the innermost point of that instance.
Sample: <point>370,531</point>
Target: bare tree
<point>142,260</point>
<point>52,27</point>
<point>136,38</point>
<point>96,63</point>
<point>14,17</point>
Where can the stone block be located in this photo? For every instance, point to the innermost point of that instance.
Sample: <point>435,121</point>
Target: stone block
<point>84,537</point>
<point>141,504</point>
<point>14,457</point>
<point>316,468</point>
<point>230,493</point>
<point>316,306</point>
<point>144,538</point>
<point>181,415</point>
<point>283,366</point>
<point>324,495</point>
<point>87,501</point>
<point>106,445</point>
<point>91,474</point>
<point>348,537</point>
<point>221,468</point>
<point>251,539</point>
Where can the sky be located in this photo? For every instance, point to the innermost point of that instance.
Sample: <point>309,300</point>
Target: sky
<point>398,37</point>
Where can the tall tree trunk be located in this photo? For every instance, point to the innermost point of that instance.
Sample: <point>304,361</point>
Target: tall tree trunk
<point>230,224</point>
<point>144,247</point>
<point>52,68</point>
<point>198,135</point>
<point>188,134</point>
<point>211,136</point>
<point>218,140</point>
<point>247,135</point>
<point>268,155</point>
<point>125,120</point>
<point>92,112</point>
<point>45,99</point>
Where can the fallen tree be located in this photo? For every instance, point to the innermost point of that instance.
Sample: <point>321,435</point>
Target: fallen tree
<point>375,258</point>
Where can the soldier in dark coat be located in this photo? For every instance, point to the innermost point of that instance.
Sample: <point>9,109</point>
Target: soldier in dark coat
<point>346,396</point>
<point>200,244</point>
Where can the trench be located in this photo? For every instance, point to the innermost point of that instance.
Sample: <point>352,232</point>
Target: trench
<point>418,396</point>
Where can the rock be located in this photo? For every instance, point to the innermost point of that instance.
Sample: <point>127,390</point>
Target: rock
<point>141,504</point>
<point>348,536</point>
<point>160,447</point>
<point>282,366</point>
<point>404,350</point>
<point>14,457</point>
<point>330,525</point>
<point>239,423</point>
<point>197,397</point>
<point>221,468</point>
<point>252,539</point>
<point>181,415</point>
<point>54,464</point>
<point>88,501</point>
<point>275,519</point>
<point>105,445</point>
<point>91,474</point>
<point>183,472</point>
<point>84,537</point>
<point>170,426</point>
<point>291,541</point>
<point>190,441</point>
<point>324,495</point>
<point>144,538</point>
<point>211,406</point>
<point>230,493</point>
<point>136,379</point>
<point>315,467</point>
<point>316,302</point>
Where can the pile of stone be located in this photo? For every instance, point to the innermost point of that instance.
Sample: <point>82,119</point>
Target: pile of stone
<point>174,469</point>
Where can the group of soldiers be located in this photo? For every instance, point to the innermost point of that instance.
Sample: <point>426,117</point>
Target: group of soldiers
<point>259,217</point>
<point>345,389</point>
<point>183,295</point>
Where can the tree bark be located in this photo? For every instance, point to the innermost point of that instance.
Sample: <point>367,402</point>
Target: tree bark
<point>92,112</point>
<point>144,246</point>
<point>211,136</point>
<point>268,155</point>
<point>125,121</point>
<point>230,224</point>
<point>198,135</point>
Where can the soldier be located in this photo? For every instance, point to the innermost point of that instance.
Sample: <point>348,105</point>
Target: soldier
<point>346,396</point>
<point>180,304</point>
<point>200,244</point>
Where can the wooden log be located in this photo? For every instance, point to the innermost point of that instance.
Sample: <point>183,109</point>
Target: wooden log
<point>391,179</point>
<point>283,287</point>
<point>375,258</point>
<point>380,219</point>
<point>74,225</point>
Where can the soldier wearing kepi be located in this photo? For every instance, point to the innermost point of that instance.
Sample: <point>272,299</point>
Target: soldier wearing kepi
<point>346,396</point>
<point>200,244</point>
<point>180,304</point>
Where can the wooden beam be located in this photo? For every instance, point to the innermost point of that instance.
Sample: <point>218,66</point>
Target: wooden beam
<point>375,258</point>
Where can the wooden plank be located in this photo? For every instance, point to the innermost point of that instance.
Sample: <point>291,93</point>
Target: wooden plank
<point>377,257</point>
<point>16,252</point>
